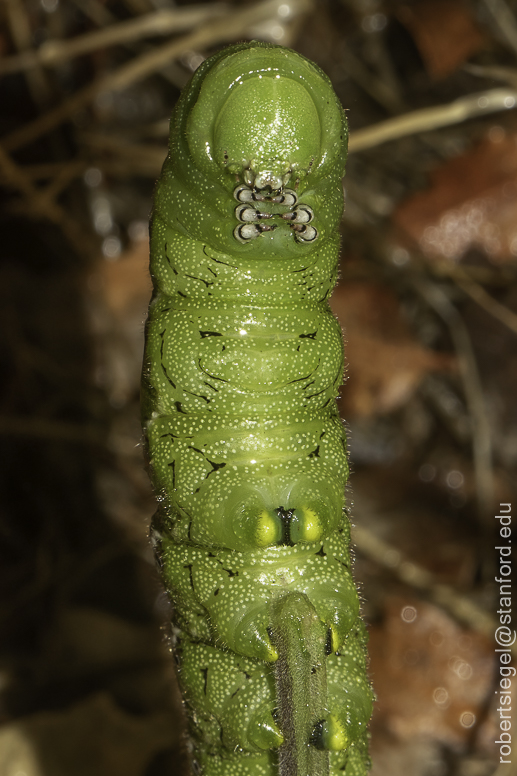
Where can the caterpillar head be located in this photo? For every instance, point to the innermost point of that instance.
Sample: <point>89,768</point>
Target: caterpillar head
<point>268,133</point>
<point>258,128</point>
<point>259,120</point>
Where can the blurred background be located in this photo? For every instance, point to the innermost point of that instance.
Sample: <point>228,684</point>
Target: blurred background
<point>427,299</point>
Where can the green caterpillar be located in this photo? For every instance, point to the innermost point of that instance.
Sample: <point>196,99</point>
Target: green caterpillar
<point>247,453</point>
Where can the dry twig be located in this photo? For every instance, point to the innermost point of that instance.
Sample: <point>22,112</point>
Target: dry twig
<point>459,606</point>
<point>481,434</point>
<point>162,22</point>
<point>484,300</point>
<point>40,203</point>
<point>424,120</point>
<point>230,27</point>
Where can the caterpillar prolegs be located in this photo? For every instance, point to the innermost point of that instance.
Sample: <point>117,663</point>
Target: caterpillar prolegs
<point>247,453</point>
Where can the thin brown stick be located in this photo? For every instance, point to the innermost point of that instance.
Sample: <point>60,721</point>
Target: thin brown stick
<point>43,171</point>
<point>503,276</point>
<point>40,203</point>
<point>135,157</point>
<point>64,177</point>
<point>44,428</point>
<point>487,302</point>
<point>505,20</point>
<point>427,119</point>
<point>163,22</point>
<point>481,435</point>
<point>96,12</point>
<point>21,34</point>
<point>497,72</point>
<point>463,609</point>
<point>232,26</point>
<point>380,90</point>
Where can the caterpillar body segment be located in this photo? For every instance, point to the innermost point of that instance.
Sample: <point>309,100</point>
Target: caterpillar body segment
<point>247,453</point>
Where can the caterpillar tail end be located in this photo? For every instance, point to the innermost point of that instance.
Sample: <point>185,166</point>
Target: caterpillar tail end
<point>301,683</point>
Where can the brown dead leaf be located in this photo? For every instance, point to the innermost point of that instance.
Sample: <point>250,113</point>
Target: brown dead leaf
<point>385,362</point>
<point>93,737</point>
<point>417,756</point>
<point>471,202</point>
<point>120,296</point>
<point>432,677</point>
<point>88,636</point>
<point>444,32</point>
<point>126,282</point>
<point>408,518</point>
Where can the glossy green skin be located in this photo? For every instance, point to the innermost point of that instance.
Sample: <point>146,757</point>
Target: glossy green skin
<point>247,453</point>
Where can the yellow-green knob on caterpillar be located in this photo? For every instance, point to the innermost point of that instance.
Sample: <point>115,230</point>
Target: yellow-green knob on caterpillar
<point>247,454</point>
